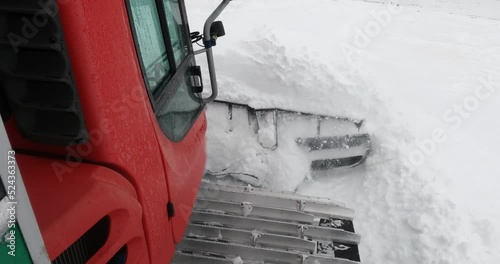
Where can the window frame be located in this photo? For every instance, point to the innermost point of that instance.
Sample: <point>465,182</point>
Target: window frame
<point>162,84</point>
<point>162,96</point>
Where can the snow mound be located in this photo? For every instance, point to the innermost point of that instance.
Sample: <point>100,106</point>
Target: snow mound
<point>263,73</point>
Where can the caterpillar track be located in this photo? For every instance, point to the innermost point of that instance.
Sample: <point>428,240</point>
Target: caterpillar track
<point>243,224</point>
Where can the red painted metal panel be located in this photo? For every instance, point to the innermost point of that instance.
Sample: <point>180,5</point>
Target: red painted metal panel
<point>66,208</point>
<point>185,165</point>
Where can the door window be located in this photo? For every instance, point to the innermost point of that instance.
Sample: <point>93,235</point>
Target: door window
<point>164,50</point>
<point>176,28</point>
<point>181,112</point>
<point>150,41</point>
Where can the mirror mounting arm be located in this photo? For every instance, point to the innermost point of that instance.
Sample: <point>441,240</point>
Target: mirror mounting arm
<point>209,43</point>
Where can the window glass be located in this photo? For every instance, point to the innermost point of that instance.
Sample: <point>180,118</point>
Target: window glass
<point>176,29</point>
<point>152,47</point>
<point>177,117</point>
<point>177,106</point>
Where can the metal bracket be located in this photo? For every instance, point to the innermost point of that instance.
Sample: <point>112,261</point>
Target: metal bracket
<point>208,41</point>
<point>301,205</point>
<point>301,230</point>
<point>246,208</point>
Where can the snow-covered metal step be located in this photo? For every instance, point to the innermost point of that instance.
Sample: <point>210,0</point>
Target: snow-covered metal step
<point>191,250</point>
<point>314,231</point>
<point>249,254</point>
<point>251,238</point>
<point>261,197</point>
<point>265,255</point>
<point>326,260</point>
<point>274,193</point>
<point>248,209</point>
<point>193,258</point>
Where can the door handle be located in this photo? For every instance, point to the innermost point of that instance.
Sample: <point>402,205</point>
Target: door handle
<point>196,79</point>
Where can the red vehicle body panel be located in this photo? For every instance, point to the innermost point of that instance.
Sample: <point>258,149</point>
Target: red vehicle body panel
<point>125,136</point>
<point>68,208</point>
<point>185,165</point>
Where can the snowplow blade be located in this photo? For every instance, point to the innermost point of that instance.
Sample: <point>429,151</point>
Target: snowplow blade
<point>330,142</point>
<point>242,224</point>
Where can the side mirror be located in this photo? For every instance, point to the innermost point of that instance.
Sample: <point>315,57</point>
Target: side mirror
<point>217,29</point>
<point>211,31</point>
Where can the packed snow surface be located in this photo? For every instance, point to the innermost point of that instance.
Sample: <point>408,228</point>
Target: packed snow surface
<point>427,83</point>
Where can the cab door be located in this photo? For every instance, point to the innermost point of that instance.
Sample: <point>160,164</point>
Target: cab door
<point>166,56</point>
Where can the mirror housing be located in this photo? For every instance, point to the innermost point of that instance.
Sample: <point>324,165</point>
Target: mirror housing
<point>217,29</point>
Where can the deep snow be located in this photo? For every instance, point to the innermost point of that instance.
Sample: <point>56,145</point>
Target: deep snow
<point>425,81</point>
<point>474,8</point>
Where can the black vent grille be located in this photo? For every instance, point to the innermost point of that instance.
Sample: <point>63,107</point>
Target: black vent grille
<point>87,245</point>
<point>3,193</point>
<point>120,257</point>
<point>36,75</point>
